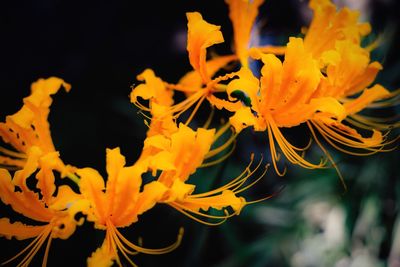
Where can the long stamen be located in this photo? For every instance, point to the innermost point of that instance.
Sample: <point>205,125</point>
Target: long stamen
<point>28,258</point>
<point>209,119</point>
<point>224,157</point>
<point>147,250</point>
<point>326,152</point>
<point>177,205</point>
<point>38,240</point>
<point>174,205</point>
<point>196,108</point>
<point>46,253</point>
<point>240,179</point>
<point>11,153</point>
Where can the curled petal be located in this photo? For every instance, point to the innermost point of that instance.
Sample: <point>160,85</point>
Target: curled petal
<point>153,88</point>
<point>368,96</point>
<point>152,193</point>
<point>226,199</point>
<point>243,14</point>
<point>19,230</point>
<point>201,35</point>
<point>26,202</point>
<point>102,257</point>
<point>324,108</point>
<point>92,188</point>
<point>244,117</point>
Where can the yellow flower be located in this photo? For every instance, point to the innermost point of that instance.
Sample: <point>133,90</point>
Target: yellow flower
<point>117,204</point>
<point>329,26</point>
<point>348,73</point>
<point>180,156</point>
<point>282,98</point>
<point>200,84</point>
<point>317,83</point>
<point>29,127</point>
<point>197,85</point>
<point>54,213</point>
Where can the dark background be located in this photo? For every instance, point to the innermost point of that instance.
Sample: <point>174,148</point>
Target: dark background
<point>99,47</point>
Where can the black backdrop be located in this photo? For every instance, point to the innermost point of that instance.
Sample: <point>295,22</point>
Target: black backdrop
<point>99,47</point>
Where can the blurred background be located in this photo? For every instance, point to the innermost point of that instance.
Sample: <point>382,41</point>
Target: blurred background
<point>100,46</point>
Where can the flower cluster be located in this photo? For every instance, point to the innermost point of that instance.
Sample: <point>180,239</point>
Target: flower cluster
<point>323,79</point>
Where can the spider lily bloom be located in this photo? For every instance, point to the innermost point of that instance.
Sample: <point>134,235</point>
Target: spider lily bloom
<point>117,204</point>
<point>334,39</point>
<point>54,213</point>
<point>329,26</point>
<point>281,98</point>
<point>197,85</point>
<point>29,127</point>
<point>242,14</point>
<point>348,73</point>
<point>177,158</point>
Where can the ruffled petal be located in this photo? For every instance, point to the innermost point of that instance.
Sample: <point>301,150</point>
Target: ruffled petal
<point>29,126</point>
<point>152,193</point>
<point>300,77</point>
<point>92,188</point>
<point>152,88</point>
<point>246,83</point>
<point>189,148</point>
<point>244,117</point>
<point>243,14</point>
<point>192,80</point>
<point>227,198</point>
<point>19,230</point>
<point>377,92</point>
<point>25,202</point>
<point>324,108</point>
<point>201,35</point>
<point>329,26</point>
<point>102,257</point>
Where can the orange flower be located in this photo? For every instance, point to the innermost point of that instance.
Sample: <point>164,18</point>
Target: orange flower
<point>117,204</point>
<point>54,213</point>
<point>177,158</point>
<point>29,127</point>
<point>329,26</point>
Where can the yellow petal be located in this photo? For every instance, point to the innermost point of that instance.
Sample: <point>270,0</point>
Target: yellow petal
<point>368,96</point>
<point>189,148</point>
<point>246,83</point>
<point>324,108</point>
<point>126,195</point>
<point>26,202</point>
<point>192,81</point>
<point>102,257</point>
<point>91,186</point>
<point>226,199</point>
<point>179,191</point>
<point>329,26</point>
<point>152,193</point>
<point>221,103</point>
<point>65,198</point>
<point>349,73</point>
<point>201,35</point>
<point>243,14</point>
<point>243,118</point>
<point>162,121</point>
<point>153,88</point>
<point>19,230</point>
<point>300,77</point>
<point>29,126</point>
